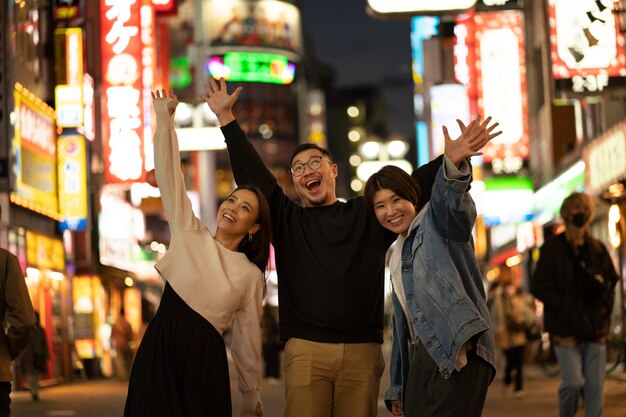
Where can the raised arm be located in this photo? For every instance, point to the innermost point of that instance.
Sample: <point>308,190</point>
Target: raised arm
<point>452,208</point>
<point>247,165</point>
<point>169,175</point>
<point>474,137</point>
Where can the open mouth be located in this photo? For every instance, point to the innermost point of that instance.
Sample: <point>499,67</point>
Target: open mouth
<point>229,218</point>
<point>313,185</point>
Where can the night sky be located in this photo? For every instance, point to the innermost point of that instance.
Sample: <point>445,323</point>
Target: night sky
<point>365,51</point>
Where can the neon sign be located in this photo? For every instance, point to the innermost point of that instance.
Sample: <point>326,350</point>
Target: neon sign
<point>252,67</point>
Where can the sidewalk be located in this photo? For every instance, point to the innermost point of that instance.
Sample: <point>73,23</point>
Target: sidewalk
<point>106,397</point>
<point>542,397</point>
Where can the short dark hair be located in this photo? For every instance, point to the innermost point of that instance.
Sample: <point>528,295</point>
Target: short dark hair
<point>306,146</point>
<point>395,179</point>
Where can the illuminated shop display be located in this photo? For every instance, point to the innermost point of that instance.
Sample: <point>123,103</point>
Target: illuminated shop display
<point>252,67</point>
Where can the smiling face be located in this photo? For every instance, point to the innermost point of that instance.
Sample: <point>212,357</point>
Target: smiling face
<point>238,214</point>
<point>392,211</point>
<point>316,187</point>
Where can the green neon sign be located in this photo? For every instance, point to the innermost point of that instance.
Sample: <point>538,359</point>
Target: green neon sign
<point>252,67</point>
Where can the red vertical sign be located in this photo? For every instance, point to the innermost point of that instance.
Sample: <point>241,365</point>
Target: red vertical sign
<point>122,87</point>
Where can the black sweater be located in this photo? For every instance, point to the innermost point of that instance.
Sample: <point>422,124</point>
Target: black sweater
<point>330,260</point>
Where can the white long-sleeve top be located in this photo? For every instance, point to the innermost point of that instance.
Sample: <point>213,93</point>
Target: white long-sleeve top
<point>214,281</point>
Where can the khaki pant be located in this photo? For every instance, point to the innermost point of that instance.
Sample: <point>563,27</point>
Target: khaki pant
<point>332,379</point>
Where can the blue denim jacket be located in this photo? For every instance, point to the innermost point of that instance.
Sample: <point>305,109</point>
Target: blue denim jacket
<point>444,290</point>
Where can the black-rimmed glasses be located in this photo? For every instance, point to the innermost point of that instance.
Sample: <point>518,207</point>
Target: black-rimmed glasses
<point>314,163</point>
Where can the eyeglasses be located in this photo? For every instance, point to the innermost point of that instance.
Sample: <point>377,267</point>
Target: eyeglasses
<point>314,163</point>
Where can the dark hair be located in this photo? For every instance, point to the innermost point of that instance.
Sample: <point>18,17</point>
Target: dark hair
<point>394,179</point>
<point>306,146</point>
<point>257,249</point>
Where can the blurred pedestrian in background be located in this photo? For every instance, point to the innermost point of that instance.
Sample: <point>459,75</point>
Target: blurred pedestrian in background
<point>34,358</point>
<point>212,281</point>
<point>271,344</point>
<point>443,353</point>
<point>17,318</point>
<point>122,337</point>
<point>575,279</point>
<point>513,318</point>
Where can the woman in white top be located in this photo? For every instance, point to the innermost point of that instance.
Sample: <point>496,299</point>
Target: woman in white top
<point>211,281</point>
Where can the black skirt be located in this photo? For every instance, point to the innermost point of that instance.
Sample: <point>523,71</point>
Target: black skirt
<point>181,368</point>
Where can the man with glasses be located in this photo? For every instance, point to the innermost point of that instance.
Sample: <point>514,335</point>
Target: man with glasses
<point>330,260</point>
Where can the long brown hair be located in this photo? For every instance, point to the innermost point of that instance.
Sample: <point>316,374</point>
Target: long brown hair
<point>257,248</point>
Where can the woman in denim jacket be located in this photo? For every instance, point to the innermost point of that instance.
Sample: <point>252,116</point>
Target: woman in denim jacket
<point>443,354</point>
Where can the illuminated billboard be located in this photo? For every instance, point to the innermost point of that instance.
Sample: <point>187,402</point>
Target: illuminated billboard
<point>262,24</point>
<point>587,46</point>
<point>252,67</point>
<point>417,7</point>
<point>34,147</point>
<point>501,87</point>
<point>507,200</point>
<point>73,182</point>
<point>122,91</point>
<point>448,102</point>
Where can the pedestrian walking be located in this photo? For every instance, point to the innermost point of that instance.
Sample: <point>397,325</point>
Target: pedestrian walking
<point>17,317</point>
<point>34,358</point>
<point>212,281</point>
<point>443,354</point>
<point>575,279</point>
<point>330,260</point>
<point>512,317</point>
<point>122,336</point>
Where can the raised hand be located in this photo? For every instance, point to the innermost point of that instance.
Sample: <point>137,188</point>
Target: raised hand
<point>219,101</point>
<point>159,97</point>
<point>473,137</point>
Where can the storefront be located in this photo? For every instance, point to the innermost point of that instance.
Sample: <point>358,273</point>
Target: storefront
<point>48,287</point>
<point>605,159</point>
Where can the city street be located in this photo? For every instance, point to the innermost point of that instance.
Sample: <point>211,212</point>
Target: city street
<point>105,398</point>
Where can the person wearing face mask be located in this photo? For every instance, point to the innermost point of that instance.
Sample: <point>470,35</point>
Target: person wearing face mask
<point>575,279</point>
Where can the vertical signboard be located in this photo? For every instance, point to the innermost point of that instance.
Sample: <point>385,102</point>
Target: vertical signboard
<point>122,91</point>
<point>501,83</point>
<point>148,63</point>
<point>72,182</point>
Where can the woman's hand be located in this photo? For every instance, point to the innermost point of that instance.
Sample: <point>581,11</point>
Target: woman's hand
<point>219,101</point>
<point>473,137</point>
<point>160,100</point>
